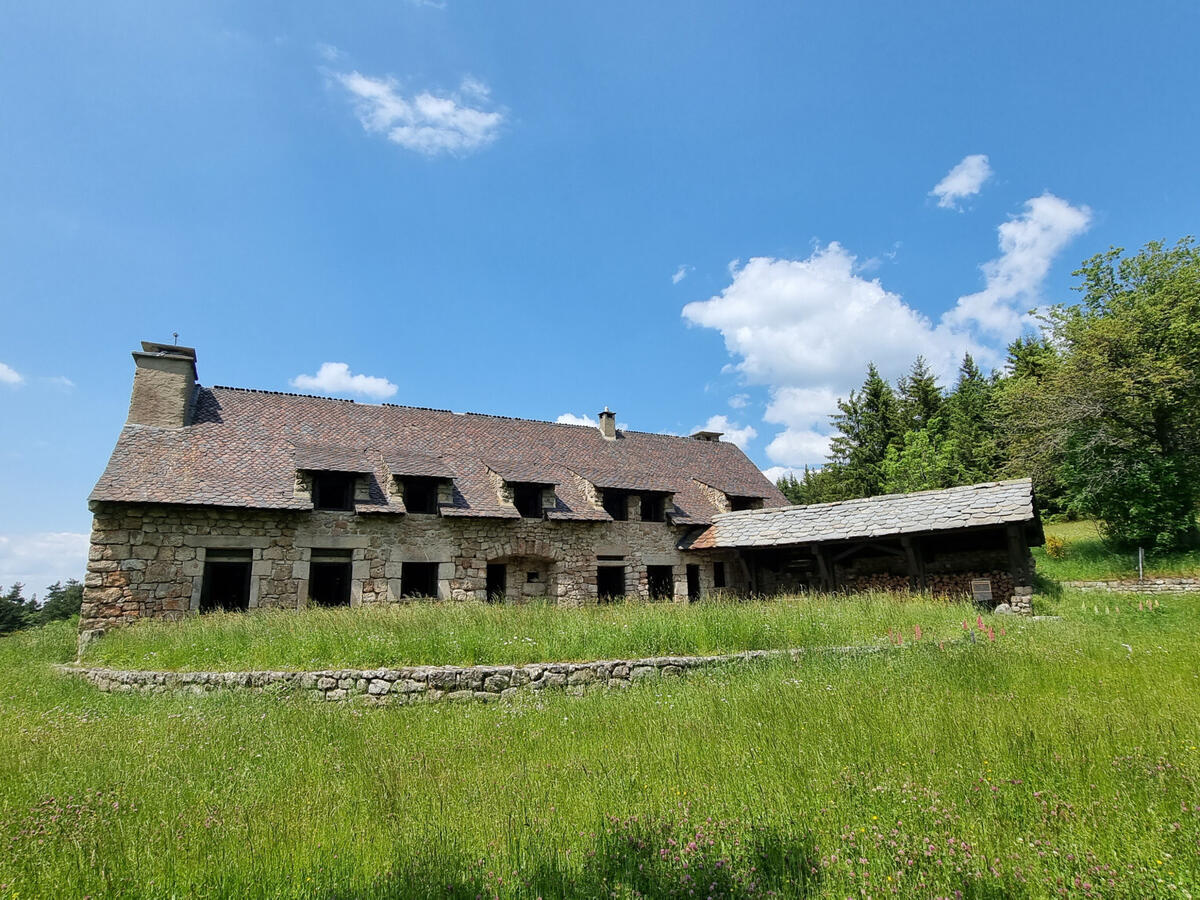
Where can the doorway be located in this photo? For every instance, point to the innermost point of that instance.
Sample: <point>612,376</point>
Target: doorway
<point>610,582</point>
<point>661,581</point>
<point>226,582</point>
<point>329,578</point>
<point>497,582</point>
<point>693,582</point>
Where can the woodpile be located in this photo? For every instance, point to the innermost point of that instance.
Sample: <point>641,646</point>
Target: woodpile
<point>942,584</point>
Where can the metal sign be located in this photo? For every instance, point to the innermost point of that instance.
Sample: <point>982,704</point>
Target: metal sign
<point>981,590</point>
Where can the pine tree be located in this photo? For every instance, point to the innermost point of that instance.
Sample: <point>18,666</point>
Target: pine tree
<point>919,396</point>
<point>971,417</point>
<point>868,423</point>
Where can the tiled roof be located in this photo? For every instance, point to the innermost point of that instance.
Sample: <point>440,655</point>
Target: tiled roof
<point>319,458</point>
<point>627,481</point>
<point>242,446</point>
<point>993,503</point>
<point>423,465</point>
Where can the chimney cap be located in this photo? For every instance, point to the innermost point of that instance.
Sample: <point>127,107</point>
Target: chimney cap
<point>607,412</point>
<point>709,436</point>
<point>155,349</point>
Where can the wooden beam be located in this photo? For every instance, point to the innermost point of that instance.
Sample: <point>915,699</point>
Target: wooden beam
<point>1018,555</point>
<point>916,564</point>
<point>828,582</point>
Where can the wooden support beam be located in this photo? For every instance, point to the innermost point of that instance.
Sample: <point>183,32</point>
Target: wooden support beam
<point>1018,555</point>
<point>824,568</point>
<point>916,563</point>
<point>746,571</point>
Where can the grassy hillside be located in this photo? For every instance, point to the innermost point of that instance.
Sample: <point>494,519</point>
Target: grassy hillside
<point>1059,760</point>
<point>1088,558</point>
<point>478,633</point>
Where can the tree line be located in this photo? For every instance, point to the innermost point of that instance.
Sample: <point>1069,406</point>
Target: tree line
<point>62,601</point>
<point>1100,406</point>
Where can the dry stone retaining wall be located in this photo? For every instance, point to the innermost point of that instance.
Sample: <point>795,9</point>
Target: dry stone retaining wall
<point>412,684</point>
<point>1133,586</point>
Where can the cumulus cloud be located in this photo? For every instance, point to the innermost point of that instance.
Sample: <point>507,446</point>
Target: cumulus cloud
<point>774,473</point>
<point>1029,244</point>
<point>336,378</point>
<point>454,123</point>
<point>39,559</point>
<point>9,375</point>
<point>964,180</point>
<point>680,274</point>
<point>572,419</point>
<point>807,328</point>
<point>731,431</point>
<point>739,401</point>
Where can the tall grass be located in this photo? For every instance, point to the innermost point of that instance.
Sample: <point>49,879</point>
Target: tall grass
<point>1059,760</point>
<point>479,633</point>
<point>1089,558</point>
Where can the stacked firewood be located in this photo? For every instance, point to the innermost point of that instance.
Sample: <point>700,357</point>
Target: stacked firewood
<point>946,584</point>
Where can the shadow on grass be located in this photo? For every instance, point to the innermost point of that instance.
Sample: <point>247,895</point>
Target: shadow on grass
<point>630,859</point>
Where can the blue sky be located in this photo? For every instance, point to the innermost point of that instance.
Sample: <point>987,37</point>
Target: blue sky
<point>679,210</point>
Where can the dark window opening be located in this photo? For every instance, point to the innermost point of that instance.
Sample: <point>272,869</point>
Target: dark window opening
<point>333,490</point>
<point>421,495</point>
<point>610,582</point>
<point>609,557</point>
<point>693,582</point>
<point>616,504</point>
<point>527,498</point>
<point>653,507</point>
<point>226,582</point>
<point>497,582</point>
<point>532,577</point>
<point>737,504</point>
<point>418,579</point>
<point>718,574</point>
<point>329,578</point>
<point>661,581</point>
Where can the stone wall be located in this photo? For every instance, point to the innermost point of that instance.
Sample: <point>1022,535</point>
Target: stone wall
<point>148,560</point>
<point>414,684</point>
<point>1145,586</point>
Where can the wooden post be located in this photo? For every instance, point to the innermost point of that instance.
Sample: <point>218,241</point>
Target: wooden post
<point>741,558</point>
<point>916,564</point>
<point>828,582</point>
<point>1018,556</point>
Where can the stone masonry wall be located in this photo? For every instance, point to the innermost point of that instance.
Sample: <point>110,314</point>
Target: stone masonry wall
<point>148,560</point>
<point>414,684</point>
<point>1145,586</point>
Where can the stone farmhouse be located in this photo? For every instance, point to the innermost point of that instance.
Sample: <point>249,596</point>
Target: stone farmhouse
<point>230,498</point>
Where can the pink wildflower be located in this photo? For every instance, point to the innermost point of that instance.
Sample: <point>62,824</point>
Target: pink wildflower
<point>991,634</point>
<point>979,622</point>
<point>916,632</point>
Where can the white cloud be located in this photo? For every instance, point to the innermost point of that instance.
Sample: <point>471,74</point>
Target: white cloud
<point>39,559</point>
<point>329,52</point>
<point>60,381</point>
<point>1029,244</point>
<point>964,180</point>
<point>572,419</point>
<point>808,328</point>
<point>681,273</point>
<point>336,378</point>
<point>731,431</point>
<point>739,401</point>
<point>9,375</point>
<point>425,122</point>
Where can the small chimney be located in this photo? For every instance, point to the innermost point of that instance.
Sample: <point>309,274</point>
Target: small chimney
<point>708,436</point>
<point>163,386</point>
<point>608,424</point>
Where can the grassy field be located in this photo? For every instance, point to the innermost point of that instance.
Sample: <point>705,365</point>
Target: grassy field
<point>479,633</point>
<point>1060,759</point>
<point>1089,558</point>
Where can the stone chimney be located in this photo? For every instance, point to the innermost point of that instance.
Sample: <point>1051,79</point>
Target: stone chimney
<point>164,385</point>
<point>608,424</point>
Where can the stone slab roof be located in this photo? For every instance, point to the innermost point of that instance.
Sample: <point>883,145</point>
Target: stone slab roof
<point>992,503</point>
<point>317,458</point>
<point>240,451</point>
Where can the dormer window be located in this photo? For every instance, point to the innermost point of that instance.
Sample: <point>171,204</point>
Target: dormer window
<point>616,504</point>
<point>420,495</point>
<point>333,490</point>
<point>653,508</point>
<point>737,504</point>
<point>527,498</point>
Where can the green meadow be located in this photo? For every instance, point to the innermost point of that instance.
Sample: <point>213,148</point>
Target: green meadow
<point>1086,556</point>
<point>1053,758</point>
